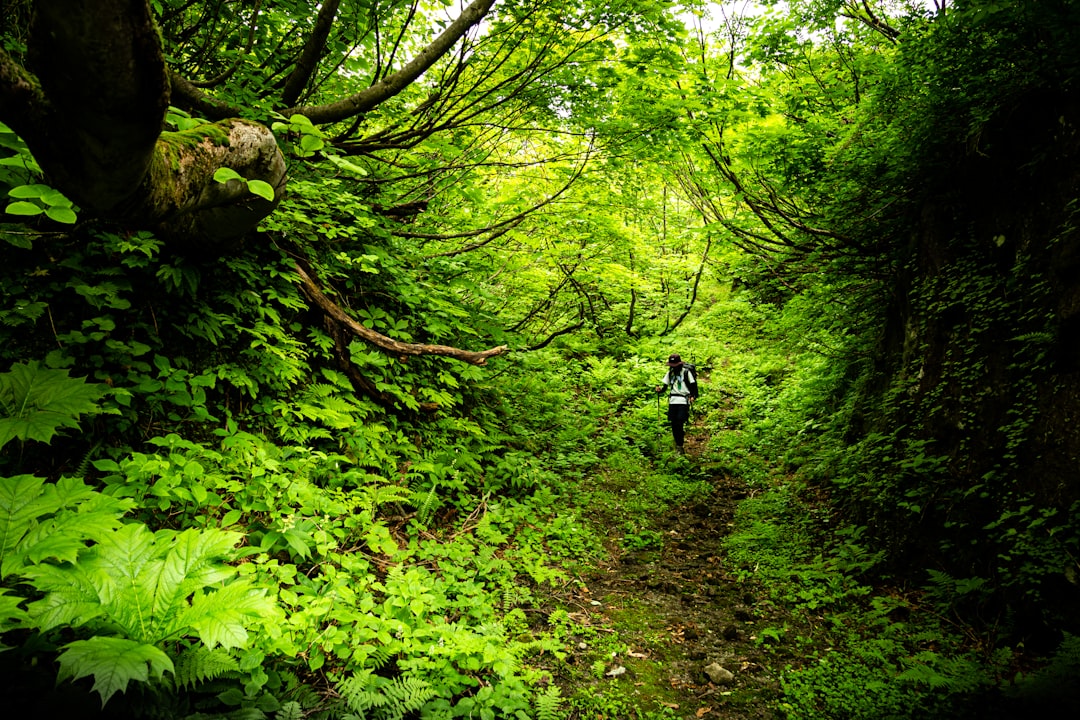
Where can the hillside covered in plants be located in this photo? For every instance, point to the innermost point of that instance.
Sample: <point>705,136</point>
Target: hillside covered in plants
<point>331,332</point>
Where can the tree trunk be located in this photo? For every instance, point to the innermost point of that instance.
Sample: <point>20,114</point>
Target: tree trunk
<point>91,103</point>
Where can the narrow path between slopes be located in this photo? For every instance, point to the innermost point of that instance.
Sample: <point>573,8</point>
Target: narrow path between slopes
<point>698,639</point>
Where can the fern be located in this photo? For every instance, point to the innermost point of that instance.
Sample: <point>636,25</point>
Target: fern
<point>148,588</point>
<point>35,402</point>
<point>291,710</point>
<point>360,692</point>
<point>379,698</point>
<point>427,503</point>
<point>549,704</point>
<point>200,664</point>
<point>408,693</point>
<point>40,521</point>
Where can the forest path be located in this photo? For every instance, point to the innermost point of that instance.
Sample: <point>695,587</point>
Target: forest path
<point>680,611</point>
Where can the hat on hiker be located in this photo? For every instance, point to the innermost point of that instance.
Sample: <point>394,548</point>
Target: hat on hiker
<point>674,361</point>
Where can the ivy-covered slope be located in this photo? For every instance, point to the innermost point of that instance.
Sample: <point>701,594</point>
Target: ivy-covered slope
<point>971,424</point>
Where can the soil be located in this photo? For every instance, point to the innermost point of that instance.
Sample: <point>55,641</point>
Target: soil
<point>679,610</point>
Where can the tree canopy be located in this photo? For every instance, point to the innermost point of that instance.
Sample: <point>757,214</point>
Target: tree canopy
<point>328,332</point>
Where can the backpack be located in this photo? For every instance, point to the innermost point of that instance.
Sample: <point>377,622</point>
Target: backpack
<point>691,386</point>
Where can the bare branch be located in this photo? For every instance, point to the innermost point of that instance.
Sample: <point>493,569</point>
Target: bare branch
<point>229,71</point>
<point>564,331</point>
<point>313,50</point>
<point>331,309</point>
<point>395,82</point>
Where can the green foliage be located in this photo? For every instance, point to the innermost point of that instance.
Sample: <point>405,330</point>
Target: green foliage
<point>148,589</point>
<point>400,518</point>
<point>371,696</point>
<point>37,402</point>
<point>42,521</point>
<point>198,664</point>
<point>113,662</point>
<point>863,681</point>
<point>1051,684</point>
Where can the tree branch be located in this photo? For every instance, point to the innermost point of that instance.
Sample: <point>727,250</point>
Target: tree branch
<point>316,295</point>
<point>394,83</point>
<point>313,50</point>
<point>229,71</point>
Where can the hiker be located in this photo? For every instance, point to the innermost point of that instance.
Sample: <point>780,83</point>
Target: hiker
<point>682,391</point>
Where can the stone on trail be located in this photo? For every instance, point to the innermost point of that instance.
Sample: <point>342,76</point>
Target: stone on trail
<point>718,674</point>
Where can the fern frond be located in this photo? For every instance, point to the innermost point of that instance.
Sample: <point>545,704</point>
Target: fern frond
<point>427,504</point>
<point>548,704</point>
<point>84,465</point>
<point>200,664</point>
<point>361,693</point>
<point>290,710</point>
<point>408,693</point>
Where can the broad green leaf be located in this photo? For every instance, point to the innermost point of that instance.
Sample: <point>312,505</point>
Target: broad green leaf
<point>114,662</point>
<point>221,617</point>
<point>230,518</point>
<point>311,143</point>
<point>30,191</point>
<point>74,594</point>
<point>18,239</point>
<point>226,174</point>
<point>21,504</point>
<point>28,533</point>
<point>261,188</point>
<point>55,198</point>
<point>62,215</point>
<point>24,208</point>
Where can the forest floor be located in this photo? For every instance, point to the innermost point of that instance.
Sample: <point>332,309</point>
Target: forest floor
<point>697,640</point>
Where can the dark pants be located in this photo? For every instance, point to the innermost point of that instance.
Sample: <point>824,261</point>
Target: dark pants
<point>677,415</point>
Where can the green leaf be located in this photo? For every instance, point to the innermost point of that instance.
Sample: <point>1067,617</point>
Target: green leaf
<point>20,506</point>
<point>230,518</point>
<point>225,174</point>
<point>23,208</point>
<point>55,198</point>
<point>19,240</point>
<point>311,143</point>
<point>347,165</point>
<point>114,662</point>
<point>27,533</point>
<point>62,215</point>
<point>11,615</point>
<point>36,402</point>
<point>73,595</point>
<point>29,191</point>
<point>220,618</point>
<point>261,188</point>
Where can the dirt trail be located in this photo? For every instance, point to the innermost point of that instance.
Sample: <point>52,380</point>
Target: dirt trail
<point>680,611</point>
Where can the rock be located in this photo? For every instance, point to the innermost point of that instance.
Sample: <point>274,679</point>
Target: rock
<point>718,674</point>
<point>616,671</point>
